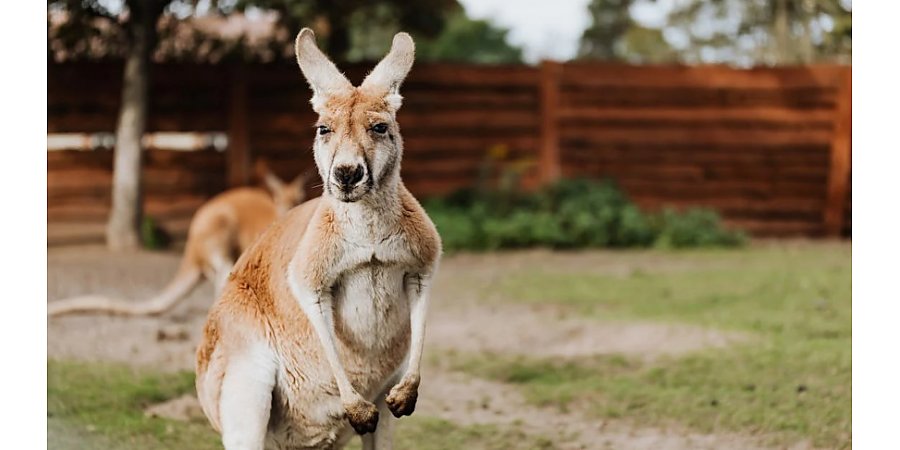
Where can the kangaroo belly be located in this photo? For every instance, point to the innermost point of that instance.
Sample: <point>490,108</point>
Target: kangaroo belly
<point>372,324</point>
<point>371,308</point>
<point>371,319</point>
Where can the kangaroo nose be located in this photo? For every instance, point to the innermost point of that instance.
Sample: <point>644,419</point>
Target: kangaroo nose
<point>349,176</point>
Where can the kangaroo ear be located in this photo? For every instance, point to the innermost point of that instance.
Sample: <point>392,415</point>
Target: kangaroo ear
<point>386,78</point>
<point>301,179</point>
<point>321,74</point>
<point>261,168</point>
<point>273,183</point>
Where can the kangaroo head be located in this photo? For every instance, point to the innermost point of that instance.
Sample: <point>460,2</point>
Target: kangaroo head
<point>284,195</point>
<point>358,146</point>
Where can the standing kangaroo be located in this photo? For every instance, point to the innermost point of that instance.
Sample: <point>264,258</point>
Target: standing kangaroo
<point>220,230</point>
<point>322,320</point>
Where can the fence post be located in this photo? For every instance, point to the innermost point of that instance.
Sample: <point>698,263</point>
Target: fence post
<point>839,168</point>
<point>238,154</point>
<point>549,164</point>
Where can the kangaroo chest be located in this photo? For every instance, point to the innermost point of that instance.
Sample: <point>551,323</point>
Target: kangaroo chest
<point>370,306</point>
<point>371,320</point>
<point>371,311</point>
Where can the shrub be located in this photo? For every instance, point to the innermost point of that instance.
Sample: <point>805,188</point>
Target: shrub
<point>568,214</point>
<point>694,228</point>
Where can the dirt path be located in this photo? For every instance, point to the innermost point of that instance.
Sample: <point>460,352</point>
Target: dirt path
<point>459,320</point>
<point>538,331</point>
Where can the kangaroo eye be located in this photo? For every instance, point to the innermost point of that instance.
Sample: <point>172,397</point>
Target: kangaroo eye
<point>323,130</point>
<point>380,128</point>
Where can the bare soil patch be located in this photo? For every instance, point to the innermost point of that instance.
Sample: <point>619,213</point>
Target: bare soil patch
<point>544,332</point>
<point>167,342</point>
<point>184,409</point>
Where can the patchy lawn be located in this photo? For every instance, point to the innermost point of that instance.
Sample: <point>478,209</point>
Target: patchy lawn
<point>101,405</point>
<point>105,402</point>
<point>790,381</point>
<point>704,349</point>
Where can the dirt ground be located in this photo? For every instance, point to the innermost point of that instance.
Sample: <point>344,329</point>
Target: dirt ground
<point>458,320</point>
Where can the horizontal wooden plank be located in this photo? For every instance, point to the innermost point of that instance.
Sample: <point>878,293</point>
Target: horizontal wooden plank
<point>464,146</point>
<point>157,206</point>
<point>657,97</point>
<point>468,98</point>
<point>748,153</point>
<point>81,122</point>
<point>458,75</point>
<point>94,232</point>
<point>100,122</point>
<point>66,158</point>
<point>425,188</point>
<point>769,115</point>
<point>638,186</point>
<point>682,170</point>
<point>593,74</point>
<point>746,207</point>
<point>471,119</point>
<point>574,134</point>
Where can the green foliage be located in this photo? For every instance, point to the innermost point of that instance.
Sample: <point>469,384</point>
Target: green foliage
<point>694,228</point>
<point>348,30</point>
<point>735,31</point>
<point>353,30</point>
<point>771,32</point>
<point>610,21</point>
<point>471,41</point>
<point>644,45</point>
<point>152,236</point>
<point>568,214</point>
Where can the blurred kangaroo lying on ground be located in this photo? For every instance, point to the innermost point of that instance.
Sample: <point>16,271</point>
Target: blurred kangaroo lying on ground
<point>322,320</point>
<point>221,229</point>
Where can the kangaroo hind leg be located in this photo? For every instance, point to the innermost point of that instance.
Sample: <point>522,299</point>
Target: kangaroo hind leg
<point>246,398</point>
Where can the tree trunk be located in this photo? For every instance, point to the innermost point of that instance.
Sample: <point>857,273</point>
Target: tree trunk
<point>805,13</point>
<point>782,33</point>
<point>123,228</point>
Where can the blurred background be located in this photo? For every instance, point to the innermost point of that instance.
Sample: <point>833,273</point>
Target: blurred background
<point>645,204</point>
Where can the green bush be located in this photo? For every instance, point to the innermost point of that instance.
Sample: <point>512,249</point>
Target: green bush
<point>694,228</point>
<point>568,214</point>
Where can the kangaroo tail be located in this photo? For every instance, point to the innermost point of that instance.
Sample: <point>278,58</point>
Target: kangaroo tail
<point>187,277</point>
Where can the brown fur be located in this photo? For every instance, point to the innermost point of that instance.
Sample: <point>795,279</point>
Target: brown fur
<point>253,302</point>
<point>220,231</point>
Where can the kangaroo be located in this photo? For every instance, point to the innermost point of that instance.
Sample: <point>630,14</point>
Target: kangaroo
<point>220,230</point>
<point>320,328</point>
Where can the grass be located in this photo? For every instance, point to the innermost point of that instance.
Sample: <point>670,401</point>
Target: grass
<point>789,382</point>
<point>100,405</point>
<point>104,403</point>
<point>430,433</point>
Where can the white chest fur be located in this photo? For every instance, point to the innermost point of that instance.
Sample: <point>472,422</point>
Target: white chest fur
<point>370,300</point>
<point>371,305</point>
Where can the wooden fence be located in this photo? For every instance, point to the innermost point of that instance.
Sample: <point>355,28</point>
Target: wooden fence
<point>768,148</point>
